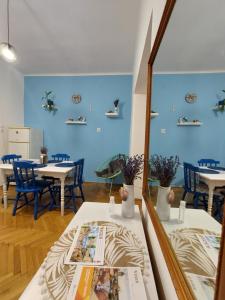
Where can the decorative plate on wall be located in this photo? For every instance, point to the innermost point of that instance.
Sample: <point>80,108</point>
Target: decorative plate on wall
<point>190,97</point>
<point>76,99</point>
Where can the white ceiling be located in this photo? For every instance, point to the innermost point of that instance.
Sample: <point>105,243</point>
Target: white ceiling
<point>72,36</point>
<point>195,38</point>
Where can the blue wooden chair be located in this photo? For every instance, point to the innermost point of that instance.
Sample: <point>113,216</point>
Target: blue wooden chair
<point>27,183</point>
<point>60,157</point>
<point>72,184</point>
<point>9,159</point>
<point>208,162</point>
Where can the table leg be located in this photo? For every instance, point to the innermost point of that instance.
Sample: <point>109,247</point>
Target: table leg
<point>62,180</point>
<point>210,199</point>
<point>5,192</point>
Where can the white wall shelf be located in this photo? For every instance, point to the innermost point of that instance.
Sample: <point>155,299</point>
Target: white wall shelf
<point>217,108</point>
<point>189,124</point>
<point>112,115</point>
<point>75,123</point>
<point>155,114</point>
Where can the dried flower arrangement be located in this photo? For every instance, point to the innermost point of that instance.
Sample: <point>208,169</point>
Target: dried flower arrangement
<point>131,167</point>
<point>163,169</point>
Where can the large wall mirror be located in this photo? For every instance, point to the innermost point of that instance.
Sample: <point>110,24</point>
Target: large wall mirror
<point>186,139</point>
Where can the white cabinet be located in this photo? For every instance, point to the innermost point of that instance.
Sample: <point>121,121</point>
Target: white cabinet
<point>25,141</point>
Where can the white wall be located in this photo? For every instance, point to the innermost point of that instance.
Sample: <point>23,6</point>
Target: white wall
<point>11,102</point>
<point>150,16</point>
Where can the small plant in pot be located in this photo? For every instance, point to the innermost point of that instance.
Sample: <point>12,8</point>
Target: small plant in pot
<point>164,169</point>
<point>131,169</point>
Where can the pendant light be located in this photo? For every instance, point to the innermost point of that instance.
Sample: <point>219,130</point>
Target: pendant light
<point>7,51</point>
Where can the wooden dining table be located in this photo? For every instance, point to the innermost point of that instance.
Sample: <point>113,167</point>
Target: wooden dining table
<point>51,169</point>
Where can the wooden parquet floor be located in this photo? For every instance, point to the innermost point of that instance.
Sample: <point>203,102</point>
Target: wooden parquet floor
<point>24,243</point>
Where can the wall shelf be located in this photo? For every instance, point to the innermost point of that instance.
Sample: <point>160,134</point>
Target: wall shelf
<point>155,114</point>
<point>112,115</point>
<point>189,124</point>
<point>75,123</point>
<point>217,108</point>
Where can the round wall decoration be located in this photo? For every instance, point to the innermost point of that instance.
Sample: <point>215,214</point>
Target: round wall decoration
<point>190,97</point>
<point>76,99</point>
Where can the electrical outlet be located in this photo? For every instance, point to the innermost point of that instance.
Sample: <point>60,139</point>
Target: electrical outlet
<point>163,130</point>
<point>173,109</point>
<point>99,129</point>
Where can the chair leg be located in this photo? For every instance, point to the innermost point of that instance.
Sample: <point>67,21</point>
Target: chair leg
<point>184,195</point>
<point>205,203</point>
<point>110,191</point>
<point>73,197</point>
<point>25,197</point>
<point>52,202</point>
<point>8,184</point>
<point>16,203</point>
<point>81,192</point>
<point>195,200</point>
<point>35,205</point>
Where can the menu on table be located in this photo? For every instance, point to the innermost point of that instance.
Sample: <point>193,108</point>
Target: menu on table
<point>88,246</point>
<point>108,283</point>
<point>211,244</point>
<point>202,286</point>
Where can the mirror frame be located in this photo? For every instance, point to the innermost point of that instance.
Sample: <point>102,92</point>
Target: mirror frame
<point>181,285</point>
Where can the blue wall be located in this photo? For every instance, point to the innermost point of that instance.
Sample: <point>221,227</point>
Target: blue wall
<point>81,140</point>
<point>189,143</point>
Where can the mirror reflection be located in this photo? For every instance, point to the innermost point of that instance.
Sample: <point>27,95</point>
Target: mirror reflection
<point>187,163</point>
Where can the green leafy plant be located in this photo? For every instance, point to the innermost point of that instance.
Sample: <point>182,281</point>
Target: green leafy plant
<point>163,169</point>
<point>221,104</point>
<point>49,104</point>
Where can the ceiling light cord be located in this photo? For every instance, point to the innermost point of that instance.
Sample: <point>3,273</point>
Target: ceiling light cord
<point>8,19</point>
<point>7,51</point>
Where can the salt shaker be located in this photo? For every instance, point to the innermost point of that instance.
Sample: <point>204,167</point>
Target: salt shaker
<point>182,211</point>
<point>111,205</point>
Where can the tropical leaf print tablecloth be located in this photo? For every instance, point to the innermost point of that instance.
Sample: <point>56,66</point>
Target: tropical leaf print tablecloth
<point>122,249</point>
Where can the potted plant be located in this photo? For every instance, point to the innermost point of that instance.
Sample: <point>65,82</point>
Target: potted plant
<point>164,169</point>
<point>131,169</point>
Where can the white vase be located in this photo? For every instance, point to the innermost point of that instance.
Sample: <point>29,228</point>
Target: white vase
<point>162,205</point>
<point>128,205</point>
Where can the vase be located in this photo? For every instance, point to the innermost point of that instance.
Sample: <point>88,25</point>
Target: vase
<point>43,158</point>
<point>128,205</point>
<point>162,205</point>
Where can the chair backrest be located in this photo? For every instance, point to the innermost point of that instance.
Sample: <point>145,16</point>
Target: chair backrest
<point>24,174</point>
<point>191,178</point>
<point>10,158</point>
<point>208,162</point>
<point>60,156</point>
<point>78,172</point>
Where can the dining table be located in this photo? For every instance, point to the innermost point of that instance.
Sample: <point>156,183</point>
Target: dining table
<point>125,246</point>
<point>212,181</point>
<point>198,262</point>
<point>55,170</point>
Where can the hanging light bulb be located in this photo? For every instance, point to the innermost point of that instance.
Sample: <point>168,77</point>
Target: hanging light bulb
<point>7,51</point>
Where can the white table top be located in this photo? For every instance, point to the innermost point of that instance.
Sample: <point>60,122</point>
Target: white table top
<point>92,211</point>
<point>50,168</point>
<point>194,218</point>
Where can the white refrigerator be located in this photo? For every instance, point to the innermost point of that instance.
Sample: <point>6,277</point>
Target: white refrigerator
<point>25,141</point>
